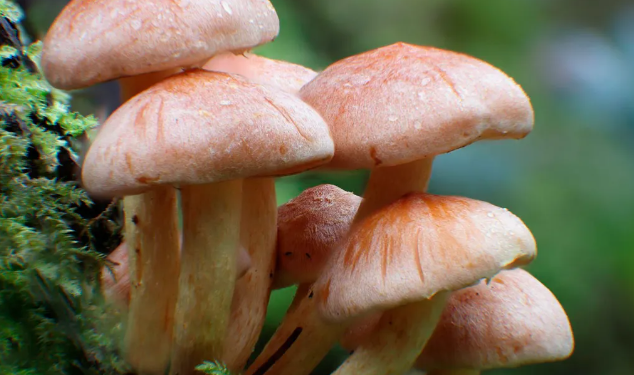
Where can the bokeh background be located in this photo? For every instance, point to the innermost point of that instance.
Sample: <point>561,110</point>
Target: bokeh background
<point>571,180</point>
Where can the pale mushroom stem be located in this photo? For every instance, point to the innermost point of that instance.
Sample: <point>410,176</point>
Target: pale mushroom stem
<point>300,342</point>
<point>211,235</point>
<point>387,184</point>
<point>152,239</point>
<point>397,340</point>
<point>148,333</point>
<point>258,231</point>
<point>454,372</point>
<point>130,86</point>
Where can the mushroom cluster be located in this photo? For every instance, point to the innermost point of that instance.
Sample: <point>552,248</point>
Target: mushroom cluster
<point>396,274</point>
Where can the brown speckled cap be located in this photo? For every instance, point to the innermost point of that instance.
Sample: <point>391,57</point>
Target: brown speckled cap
<point>416,247</point>
<point>202,127</point>
<point>512,321</point>
<point>94,41</point>
<point>282,75</point>
<point>402,103</point>
<point>308,229</point>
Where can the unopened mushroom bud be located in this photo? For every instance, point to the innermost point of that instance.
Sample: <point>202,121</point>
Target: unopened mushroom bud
<point>309,227</point>
<point>513,320</point>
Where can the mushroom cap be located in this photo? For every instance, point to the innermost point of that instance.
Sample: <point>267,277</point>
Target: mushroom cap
<point>93,41</point>
<point>418,246</point>
<point>308,228</point>
<point>402,102</point>
<point>513,320</point>
<point>282,75</point>
<point>203,127</point>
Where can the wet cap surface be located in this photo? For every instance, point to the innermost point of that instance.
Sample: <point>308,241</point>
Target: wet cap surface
<point>202,127</point>
<point>402,102</point>
<point>94,41</point>
<point>418,246</point>
<point>512,321</point>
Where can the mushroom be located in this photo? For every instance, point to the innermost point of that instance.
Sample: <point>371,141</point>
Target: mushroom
<point>394,108</point>
<point>513,320</point>
<point>309,227</point>
<point>93,41</point>
<point>204,131</point>
<point>259,213</point>
<point>399,260</point>
<point>140,43</point>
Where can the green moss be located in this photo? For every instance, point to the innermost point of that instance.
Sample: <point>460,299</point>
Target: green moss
<point>53,237</point>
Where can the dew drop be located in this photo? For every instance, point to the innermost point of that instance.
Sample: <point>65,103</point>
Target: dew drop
<point>226,7</point>
<point>490,214</point>
<point>392,118</point>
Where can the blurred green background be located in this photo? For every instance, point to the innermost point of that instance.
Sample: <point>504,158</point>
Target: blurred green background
<point>571,180</point>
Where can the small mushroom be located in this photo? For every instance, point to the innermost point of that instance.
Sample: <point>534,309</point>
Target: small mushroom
<point>398,260</point>
<point>205,132</point>
<point>511,321</point>
<point>309,227</point>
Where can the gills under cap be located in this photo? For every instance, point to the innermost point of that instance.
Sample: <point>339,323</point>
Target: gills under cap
<point>282,75</point>
<point>94,41</point>
<point>202,127</point>
<point>308,229</point>
<point>513,320</point>
<point>416,247</point>
<point>402,103</point>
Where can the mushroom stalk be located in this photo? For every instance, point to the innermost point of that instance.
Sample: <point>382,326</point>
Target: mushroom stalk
<point>149,335</point>
<point>387,184</point>
<point>300,342</point>
<point>397,340</point>
<point>454,372</point>
<point>258,230</point>
<point>153,241</point>
<point>211,235</point>
<point>130,86</point>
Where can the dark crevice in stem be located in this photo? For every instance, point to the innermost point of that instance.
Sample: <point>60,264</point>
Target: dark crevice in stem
<point>279,352</point>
